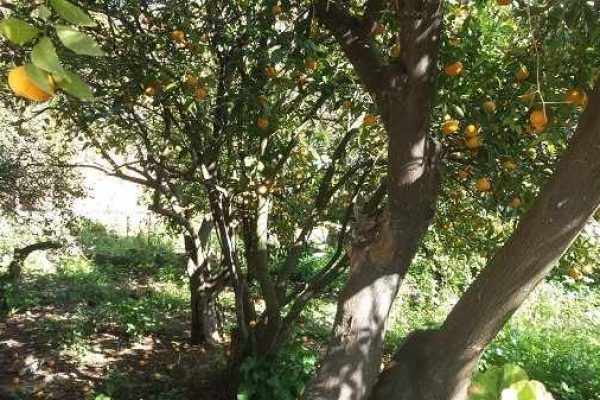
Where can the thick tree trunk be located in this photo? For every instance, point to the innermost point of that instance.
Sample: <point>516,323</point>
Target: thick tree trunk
<point>204,326</point>
<point>438,365</point>
<point>379,259</point>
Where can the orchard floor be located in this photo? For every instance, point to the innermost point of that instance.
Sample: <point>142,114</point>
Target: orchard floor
<point>60,343</point>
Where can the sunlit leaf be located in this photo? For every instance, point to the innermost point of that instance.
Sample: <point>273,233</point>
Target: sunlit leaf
<point>72,13</point>
<point>17,31</point>
<point>44,56</point>
<point>40,77</point>
<point>75,86</point>
<point>78,42</point>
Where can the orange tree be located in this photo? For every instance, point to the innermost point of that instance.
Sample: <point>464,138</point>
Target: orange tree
<point>249,113</point>
<point>238,133</point>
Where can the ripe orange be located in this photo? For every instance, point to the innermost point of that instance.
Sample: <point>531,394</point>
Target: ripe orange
<point>483,184</point>
<point>464,173</point>
<point>152,89</point>
<point>575,273</point>
<point>395,51</point>
<point>22,85</point>
<point>471,131</point>
<point>200,94</point>
<point>270,71</point>
<point>178,36</point>
<point>509,165</point>
<point>276,9</point>
<point>474,142</point>
<point>538,118</point>
<point>454,69</point>
<point>522,73</point>
<point>489,106</point>
<point>504,2</point>
<point>515,202</point>
<point>528,96</point>
<point>379,29</point>
<point>369,120</point>
<point>347,104</point>
<point>310,64</point>
<point>451,126</point>
<point>191,80</point>
<point>577,97</point>
<point>262,122</point>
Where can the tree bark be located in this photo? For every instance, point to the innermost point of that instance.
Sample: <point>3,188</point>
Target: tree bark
<point>204,327</point>
<point>439,364</point>
<point>15,268</point>
<point>381,255</point>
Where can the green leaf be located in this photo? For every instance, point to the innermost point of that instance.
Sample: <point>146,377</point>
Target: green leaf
<point>17,31</point>
<point>487,385</point>
<point>42,12</point>
<point>512,373</point>
<point>530,390</point>
<point>75,86</point>
<point>78,42</point>
<point>44,56</point>
<point>40,77</point>
<point>72,13</point>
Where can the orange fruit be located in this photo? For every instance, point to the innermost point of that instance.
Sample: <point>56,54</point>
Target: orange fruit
<point>310,64</point>
<point>575,273</point>
<point>464,173</point>
<point>515,202</point>
<point>262,100</point>
<point>576,96</point>
<point>454,41</point>
<point>528,96</point>
<point>509,165</point>
<point>454,69</point>
<point>471,131</point>
<point>276,9</point>
<point>504,2</point>
<point>451,126</point>
<point>152,89</point>
<point>23,86</point>
<point>522,73</point>
<point>262,122</point>
<point>270,71</point>
<point>483,184</point>
<point>190,80</point>
<point>538,118</point>
<point>200,94</point>
<point>178,36</point>
<point>474,142</point>
<point>369,120</point>
<point>395,51</point>
<point>347,104</point>
<point>379,29</point>
<point>489,106</point>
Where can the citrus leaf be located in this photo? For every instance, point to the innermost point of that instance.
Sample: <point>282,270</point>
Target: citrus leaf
<point>17,31</point>
<point>75,86</point>
<point>78,42</point>
<point>72,13</point>
<point>512,374</point>
<point>39,77</point>
<point>44,56</point>
<point>42,12</point>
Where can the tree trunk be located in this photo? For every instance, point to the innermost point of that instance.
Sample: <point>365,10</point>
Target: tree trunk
<point>439,364</point>
<point>15,268</point>
<point>204,326</point>
<point>381,255</point>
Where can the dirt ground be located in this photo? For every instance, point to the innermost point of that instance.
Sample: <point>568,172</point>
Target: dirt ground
<point>32,367</point>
